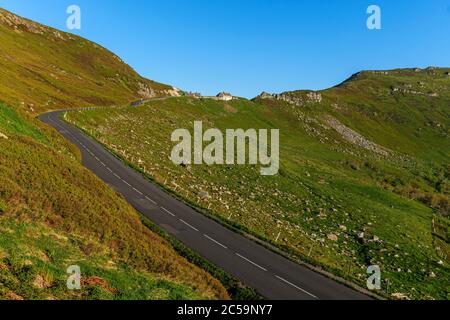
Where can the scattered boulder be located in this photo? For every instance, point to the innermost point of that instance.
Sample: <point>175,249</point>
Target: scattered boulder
<point>333,237</point>
<point>203,195</point>
<point>400,296</point>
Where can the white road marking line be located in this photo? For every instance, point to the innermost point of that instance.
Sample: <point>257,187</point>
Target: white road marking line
<point>149,199</point>
<point>168,211</point>
<point>109,169</point>
<point>126,182</point>
<point>250,261</point>
<point>297,287</point>
<point>138,191</point>
<point>215,241</point>
<point>115,175</point>
<point>193,228</point>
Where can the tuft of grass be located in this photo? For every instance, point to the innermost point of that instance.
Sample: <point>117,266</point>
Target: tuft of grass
<point>12,123</point>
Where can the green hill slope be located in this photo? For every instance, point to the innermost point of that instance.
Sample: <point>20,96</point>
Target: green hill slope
<point>355,187</point>
<point>53,212</point>
<point>44,69</point>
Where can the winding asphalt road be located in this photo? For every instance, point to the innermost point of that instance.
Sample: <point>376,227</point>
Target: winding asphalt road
<point>272,275</point>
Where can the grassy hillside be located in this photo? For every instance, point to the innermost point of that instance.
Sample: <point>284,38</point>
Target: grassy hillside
<point>355,187</point>
<point>53,212</point>
<point>45,69</point>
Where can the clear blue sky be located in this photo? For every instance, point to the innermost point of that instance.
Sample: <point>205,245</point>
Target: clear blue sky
<point>246,46</point>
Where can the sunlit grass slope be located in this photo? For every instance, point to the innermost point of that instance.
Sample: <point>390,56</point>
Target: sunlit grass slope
<point>45,69</point>
<point>54,214</point>
<point>340,201</point>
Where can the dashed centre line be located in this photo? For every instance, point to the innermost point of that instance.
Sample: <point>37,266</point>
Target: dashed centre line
<point>250,261</point>
<point>215,241</point>
<point>167,211</point>
<point>124,181</point>
<point>297,287</point>
<point>151,200</point>
<point>190,226</point>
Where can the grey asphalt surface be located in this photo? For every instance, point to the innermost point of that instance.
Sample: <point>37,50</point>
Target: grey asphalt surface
<point>272,275</point>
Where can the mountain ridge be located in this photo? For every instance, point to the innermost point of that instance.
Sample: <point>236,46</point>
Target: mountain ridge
<point>443,72</point>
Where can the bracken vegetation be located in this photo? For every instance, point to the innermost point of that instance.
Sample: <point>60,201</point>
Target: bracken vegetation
<point>364,175</point>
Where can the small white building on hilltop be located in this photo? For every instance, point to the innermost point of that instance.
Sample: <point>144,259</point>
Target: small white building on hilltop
<point>224,96</point>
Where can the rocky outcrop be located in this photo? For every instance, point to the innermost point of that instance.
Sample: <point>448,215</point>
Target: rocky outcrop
<point>297,98</point>
<point>354,137</point>
<point>408,89</point>
<point>314,97</point>
<point>16,22</point>
<point>174,92</point>
<point>145,91</point>
<point>266,95</point>
<point>195,95</point>
<point>20,24</point>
